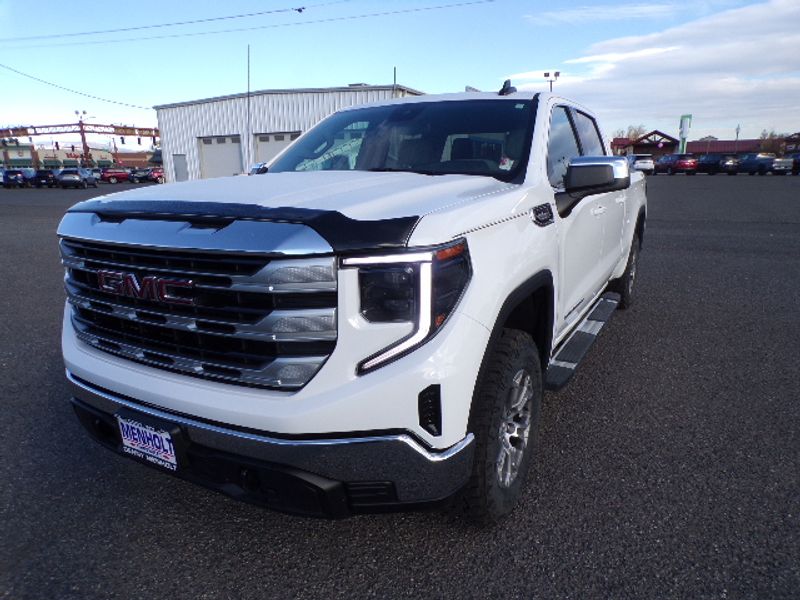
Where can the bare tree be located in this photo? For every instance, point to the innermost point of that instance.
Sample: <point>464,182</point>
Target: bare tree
<point>635,132</point>
<point>772,142</point>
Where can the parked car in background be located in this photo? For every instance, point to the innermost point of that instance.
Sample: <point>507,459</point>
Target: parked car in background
<point>718,163</point>
<point>13,178</point>
<point>24,177</point>
<point>782,165</point>
<point>676,163</point>
<point>763,163</point>
<point>139,175</point>
<point>642,162</point>
<point>46,177</point>
<point>115,175</point>
<point>157,175</point>
<point>79,177</point>
<point>795,162</point>
<point>97,172</point>
<point>258,169</point>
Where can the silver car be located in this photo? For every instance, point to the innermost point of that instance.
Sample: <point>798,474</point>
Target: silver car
<point>72,177</point>
<point>642,162</point>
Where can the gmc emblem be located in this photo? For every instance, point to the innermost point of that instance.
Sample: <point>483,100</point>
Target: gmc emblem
<point>159,289</point>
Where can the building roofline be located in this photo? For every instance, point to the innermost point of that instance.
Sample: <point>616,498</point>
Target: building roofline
<point>348,88</point>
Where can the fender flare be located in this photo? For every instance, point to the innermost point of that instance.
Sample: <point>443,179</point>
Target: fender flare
<point>542,279</point>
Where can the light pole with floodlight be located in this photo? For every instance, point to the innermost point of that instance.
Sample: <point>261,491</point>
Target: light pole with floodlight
<point>550,81</point>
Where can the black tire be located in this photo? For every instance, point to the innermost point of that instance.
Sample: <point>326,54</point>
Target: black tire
<point>94,185</point>
<point>691,172</point>
<point>732,173</point>
<point>624,286</point>
<point>505,422</point>
<point>84,184</point>
<point>670,171</point>
<point>112,180</point>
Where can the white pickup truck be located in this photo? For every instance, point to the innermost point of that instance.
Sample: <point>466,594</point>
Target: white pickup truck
<point>371,324</point>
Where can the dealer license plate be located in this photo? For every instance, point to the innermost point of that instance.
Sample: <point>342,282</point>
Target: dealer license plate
<point>147,443</point>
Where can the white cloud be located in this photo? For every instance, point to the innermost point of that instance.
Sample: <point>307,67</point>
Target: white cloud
<point>604,12</point>
<point>735,66</point>
<point>615,57</point>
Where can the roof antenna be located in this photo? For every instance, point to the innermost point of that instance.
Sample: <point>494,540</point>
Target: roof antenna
<point>507,88</point>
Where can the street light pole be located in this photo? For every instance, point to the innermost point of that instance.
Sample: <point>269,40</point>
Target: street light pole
<point>550,81</point>
<point>84,144</point>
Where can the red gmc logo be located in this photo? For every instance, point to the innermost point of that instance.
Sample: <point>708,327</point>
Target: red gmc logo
<point>159,289</point>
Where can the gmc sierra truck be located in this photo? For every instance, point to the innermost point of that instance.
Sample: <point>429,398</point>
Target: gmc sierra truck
<point>369,325</point>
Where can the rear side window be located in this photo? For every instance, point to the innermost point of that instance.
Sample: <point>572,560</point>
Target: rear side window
<point>591,142</point>
<point>561,147</point>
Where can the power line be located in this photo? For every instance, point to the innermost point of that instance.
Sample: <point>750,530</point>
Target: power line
<point>298,10</point>
<point>66,89</point>
<point>273,26</point>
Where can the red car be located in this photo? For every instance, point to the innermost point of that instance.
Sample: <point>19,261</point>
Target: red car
<point>157,174</point>
<point>677,163</point>
<point>115,175</point>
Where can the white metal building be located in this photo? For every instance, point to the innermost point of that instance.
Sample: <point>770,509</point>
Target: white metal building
<point>222,136</point>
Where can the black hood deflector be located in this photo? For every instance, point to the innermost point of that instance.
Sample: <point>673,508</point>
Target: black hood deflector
<point>342,233</point>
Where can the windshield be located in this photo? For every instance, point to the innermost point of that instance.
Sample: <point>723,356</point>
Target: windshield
<point>476,137</point>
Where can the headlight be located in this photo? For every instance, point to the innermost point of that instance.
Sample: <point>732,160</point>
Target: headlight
<point>420,287</point>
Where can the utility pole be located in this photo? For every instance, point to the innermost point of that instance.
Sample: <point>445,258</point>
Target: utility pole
<point>84,144</point>
<point>736,142</point>
<point>251,139</point>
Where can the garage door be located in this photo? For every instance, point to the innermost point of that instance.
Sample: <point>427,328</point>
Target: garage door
<point>220,156</point>
<point>269,144</point>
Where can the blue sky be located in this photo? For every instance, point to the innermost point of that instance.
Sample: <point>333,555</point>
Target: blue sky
<point>634,62</point>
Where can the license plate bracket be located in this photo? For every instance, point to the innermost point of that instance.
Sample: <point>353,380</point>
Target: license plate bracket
<point>151,440</point>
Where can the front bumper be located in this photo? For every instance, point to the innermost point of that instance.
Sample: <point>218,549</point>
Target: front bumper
<point>315,477</point>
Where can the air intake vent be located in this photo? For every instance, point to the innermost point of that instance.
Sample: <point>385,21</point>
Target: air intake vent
<point>363,494</point>
<point>430,410</point>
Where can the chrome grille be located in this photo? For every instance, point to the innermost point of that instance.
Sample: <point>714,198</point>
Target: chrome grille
<point>239,317</point>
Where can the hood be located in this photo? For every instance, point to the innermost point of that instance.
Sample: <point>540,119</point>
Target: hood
<point>359,195</point>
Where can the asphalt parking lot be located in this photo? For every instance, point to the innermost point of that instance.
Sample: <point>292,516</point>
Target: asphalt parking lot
<point>669,467</point>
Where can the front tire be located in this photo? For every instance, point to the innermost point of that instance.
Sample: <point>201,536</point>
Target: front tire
<point>505,422</point>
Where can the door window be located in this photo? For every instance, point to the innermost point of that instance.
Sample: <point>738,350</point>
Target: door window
<point>561,147</point>
<point>590,139</point>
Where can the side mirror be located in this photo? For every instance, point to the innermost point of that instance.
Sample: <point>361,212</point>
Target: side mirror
<point>589,175</point>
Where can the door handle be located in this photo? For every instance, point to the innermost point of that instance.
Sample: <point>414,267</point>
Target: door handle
<point>598,210</point>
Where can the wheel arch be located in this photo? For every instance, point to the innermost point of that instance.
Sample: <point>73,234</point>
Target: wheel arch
<point>531,308</point>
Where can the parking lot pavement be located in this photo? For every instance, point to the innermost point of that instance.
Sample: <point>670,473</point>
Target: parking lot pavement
<point>667,469</point>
